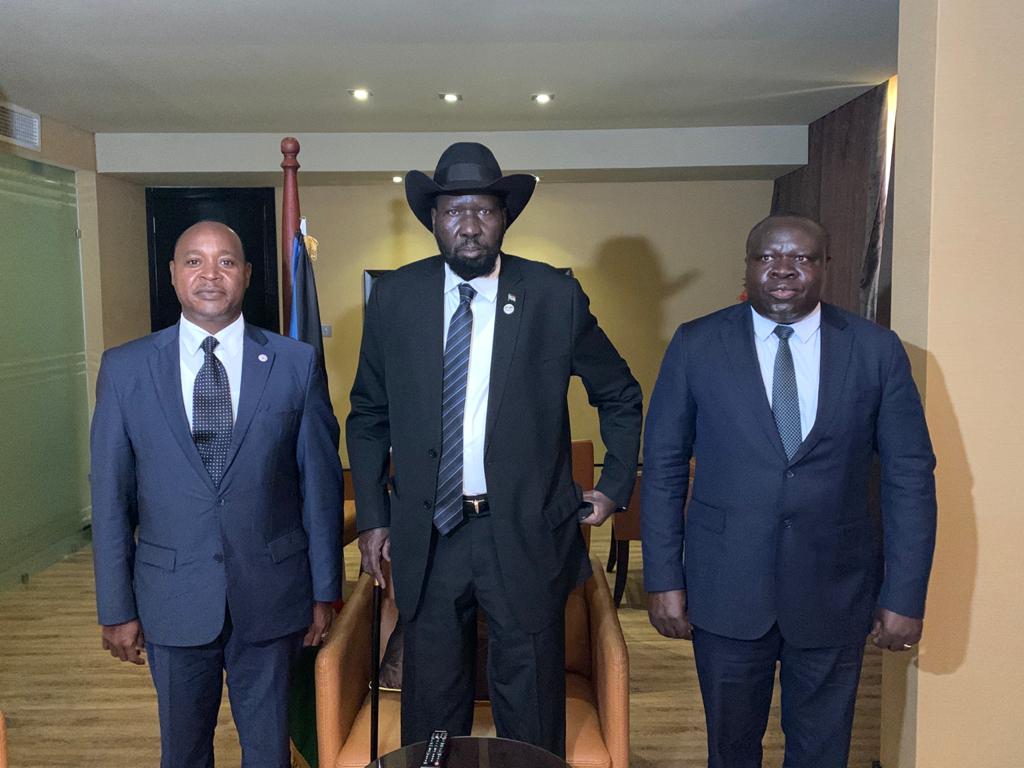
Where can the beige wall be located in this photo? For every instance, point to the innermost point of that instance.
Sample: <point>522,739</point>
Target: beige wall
<point>123,259</point>
<point>650,256</point>
<point>59,144</point>
<point>959,169</point>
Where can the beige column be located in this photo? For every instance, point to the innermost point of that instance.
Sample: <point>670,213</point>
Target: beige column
<point>958,270</point>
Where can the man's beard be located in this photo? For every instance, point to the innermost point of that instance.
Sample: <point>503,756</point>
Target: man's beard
<point>468,268</point>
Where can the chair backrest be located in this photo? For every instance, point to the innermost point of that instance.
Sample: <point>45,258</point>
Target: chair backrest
<point>3,741</point>
<point>350,492</point>
<point>583,464</point>
<point>627,523</point>
<point>583,473</point>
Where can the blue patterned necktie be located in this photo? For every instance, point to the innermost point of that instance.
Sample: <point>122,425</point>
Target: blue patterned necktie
<point>785,398</point>
<point>448,500</point>
<point>211,412</point>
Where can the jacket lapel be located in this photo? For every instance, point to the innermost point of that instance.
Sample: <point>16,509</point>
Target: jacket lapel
<point>506,333</point>
<point>166,371</point>
<point>257,361</point>
<point>424,323</point>
<point>738,339</point>
<point>836,348</point>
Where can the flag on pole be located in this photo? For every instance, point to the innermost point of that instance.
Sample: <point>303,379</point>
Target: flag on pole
<point>304,323</point>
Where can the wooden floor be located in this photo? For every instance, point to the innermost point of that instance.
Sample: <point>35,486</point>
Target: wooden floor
<point>69,703</point>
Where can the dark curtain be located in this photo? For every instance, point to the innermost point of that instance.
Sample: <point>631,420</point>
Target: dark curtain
<point>843,187</point>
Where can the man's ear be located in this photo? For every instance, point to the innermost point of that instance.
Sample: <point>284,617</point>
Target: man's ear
<point>248,274</point>
<point>433,219</point>
<point>170,267</point>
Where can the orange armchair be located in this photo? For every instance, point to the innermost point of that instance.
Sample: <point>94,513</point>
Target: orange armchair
<point>597,683</point>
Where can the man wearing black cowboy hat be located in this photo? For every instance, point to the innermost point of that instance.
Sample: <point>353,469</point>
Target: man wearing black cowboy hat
<point>465,363</point>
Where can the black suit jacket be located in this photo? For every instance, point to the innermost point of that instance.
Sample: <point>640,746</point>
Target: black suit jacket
<point>769,539</point>
<point>396,405</point>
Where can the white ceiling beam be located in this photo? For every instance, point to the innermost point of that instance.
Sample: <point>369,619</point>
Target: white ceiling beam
<point>780,146</point>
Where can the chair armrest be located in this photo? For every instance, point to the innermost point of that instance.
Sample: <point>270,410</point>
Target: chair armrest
<point>343,672</point>
<point>609,667</point>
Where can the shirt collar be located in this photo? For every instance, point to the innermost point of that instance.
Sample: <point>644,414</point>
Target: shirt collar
<point>486,287</point>
<point>229,338</point>
<point>803,329</point>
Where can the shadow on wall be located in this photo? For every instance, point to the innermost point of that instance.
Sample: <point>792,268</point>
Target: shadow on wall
<point>628,290</point>
<point>955,568</point>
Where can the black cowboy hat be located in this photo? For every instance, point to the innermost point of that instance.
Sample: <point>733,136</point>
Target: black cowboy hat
<point>467,168</point>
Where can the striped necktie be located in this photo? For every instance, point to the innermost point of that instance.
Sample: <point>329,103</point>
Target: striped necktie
<point>448,500</point>
<point>211,412</point>
<point>785,398</point>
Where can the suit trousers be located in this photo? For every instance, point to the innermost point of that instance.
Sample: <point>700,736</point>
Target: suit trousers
<point>526,672</point>
<point>819,687</point>
<point>188,684</point>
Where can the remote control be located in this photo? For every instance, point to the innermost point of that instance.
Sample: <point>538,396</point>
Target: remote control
<point>434,756</point>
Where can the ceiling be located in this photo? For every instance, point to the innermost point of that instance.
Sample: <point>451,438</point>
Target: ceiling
<point>255,65</point>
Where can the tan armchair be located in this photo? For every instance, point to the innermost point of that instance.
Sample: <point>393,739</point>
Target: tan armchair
<point>597,683</point>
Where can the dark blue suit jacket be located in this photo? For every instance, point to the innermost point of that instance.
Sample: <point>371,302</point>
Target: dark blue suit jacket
<point>770,540</point>
<point>170,548</point>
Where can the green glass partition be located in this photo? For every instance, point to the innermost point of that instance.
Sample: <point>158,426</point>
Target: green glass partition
<point>44,493</point>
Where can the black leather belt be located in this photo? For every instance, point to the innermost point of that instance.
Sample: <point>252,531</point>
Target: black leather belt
<point>475,506</point>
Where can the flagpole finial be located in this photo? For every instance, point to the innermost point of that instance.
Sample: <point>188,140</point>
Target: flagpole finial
<point>289,221</point>
<point>289,148</point>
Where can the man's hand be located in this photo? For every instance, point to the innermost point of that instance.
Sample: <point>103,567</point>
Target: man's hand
<point>125,641</point>
<point>375,544</point>
<point>894,631</point>
<point>323,615</point>
<point>667,612</point>
<point>603,508</point>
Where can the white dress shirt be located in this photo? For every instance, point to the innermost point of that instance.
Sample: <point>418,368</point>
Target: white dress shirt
<point>805,345</point>
<point>474,423</point>
<point>191,356</point>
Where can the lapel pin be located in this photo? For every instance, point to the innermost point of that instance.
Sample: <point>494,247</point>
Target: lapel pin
<point>511,297</point>
<point>262,358</point>
<point>508,309</point>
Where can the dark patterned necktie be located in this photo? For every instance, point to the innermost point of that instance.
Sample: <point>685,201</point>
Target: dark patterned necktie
<point>211,412</point>
<point>448,500</point>
<point>785,398</point>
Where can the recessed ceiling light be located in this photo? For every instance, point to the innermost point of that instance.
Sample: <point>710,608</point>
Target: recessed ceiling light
<point>360,94</point>
<point>396,179</point>
<point>450,98</point>
<point>543,98</point>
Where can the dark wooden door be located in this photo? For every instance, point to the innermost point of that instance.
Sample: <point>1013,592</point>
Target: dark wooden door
<point>247,210</point>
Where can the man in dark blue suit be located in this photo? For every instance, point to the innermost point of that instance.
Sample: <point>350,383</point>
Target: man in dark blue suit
<point>217,497</point>
<point>785,402</point>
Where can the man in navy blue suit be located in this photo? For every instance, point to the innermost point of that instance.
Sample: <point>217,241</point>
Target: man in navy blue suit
<point>217,497</point>
<point>785,402</point>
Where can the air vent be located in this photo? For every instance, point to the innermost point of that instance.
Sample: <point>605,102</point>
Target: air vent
<point>19,126</point>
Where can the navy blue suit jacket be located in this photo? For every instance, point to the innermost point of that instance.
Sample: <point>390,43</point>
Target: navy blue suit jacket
<point>767,539</point>
<point>173,550</point>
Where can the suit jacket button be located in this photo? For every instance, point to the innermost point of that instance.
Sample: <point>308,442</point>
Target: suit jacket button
<point>787,523</point>
<point>221,502</point>
<point>219,557</point>
<point>432,453</point>
<point>790,473</point>
<point>427,504</point>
